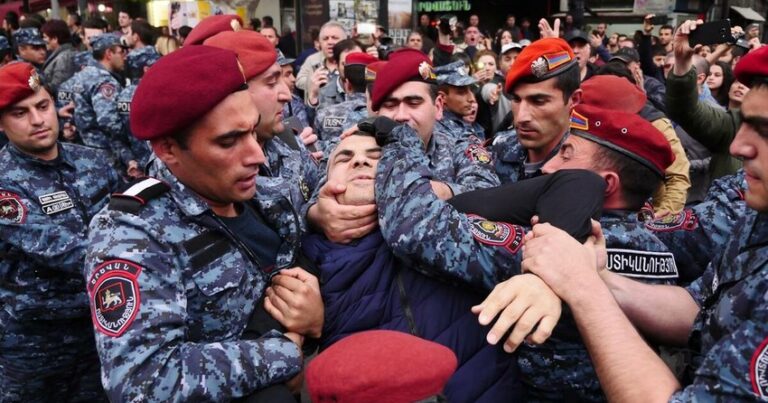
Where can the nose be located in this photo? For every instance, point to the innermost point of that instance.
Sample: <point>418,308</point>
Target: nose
<point>283,93</point>
<point>523,113</point>
<point>551,166</point>
<point>36,117</point>
<point>742,145</point>
<point>253,154</point>
<point>402,115</point>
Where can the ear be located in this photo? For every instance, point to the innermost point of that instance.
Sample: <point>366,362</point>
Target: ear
<point>167,149</point>
<point>439,105</point>
<point>613,184</point>
<point>576,97</point>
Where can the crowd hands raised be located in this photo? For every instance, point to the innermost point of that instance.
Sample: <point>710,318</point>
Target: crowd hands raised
<point>570,215</point>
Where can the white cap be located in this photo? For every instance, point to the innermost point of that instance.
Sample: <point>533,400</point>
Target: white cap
<point>510,46</point>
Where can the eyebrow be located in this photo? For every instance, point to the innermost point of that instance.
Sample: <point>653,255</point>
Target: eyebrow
<point>405,99</point>
<point>350,153</point>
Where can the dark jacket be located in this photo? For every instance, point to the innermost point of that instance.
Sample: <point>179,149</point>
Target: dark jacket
<point>365,287</point>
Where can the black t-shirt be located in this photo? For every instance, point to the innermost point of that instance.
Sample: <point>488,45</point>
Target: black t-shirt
<point>262,240</point>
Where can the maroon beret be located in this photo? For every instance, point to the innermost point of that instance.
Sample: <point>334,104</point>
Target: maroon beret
<point>255,51</point>
<point>753,65</point>
<point>211,26</point>
<point>17,82</point>
<point>372,70</point>
<point>404,65</point>
<point>359,59</point>
<point>613,92</point>
<point>380,366</point>
<point>181,88</point>
<point>626,133</point>
<point>541,60</point>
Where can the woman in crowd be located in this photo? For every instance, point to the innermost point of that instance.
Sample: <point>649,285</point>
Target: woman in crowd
<point>719,81</point>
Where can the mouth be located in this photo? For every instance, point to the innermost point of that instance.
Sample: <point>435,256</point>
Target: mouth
<point>41,133</point>
<point>246,182</point>
<point>362,177</point>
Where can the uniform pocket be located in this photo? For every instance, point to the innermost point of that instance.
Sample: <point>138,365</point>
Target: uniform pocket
<point>218,277</point>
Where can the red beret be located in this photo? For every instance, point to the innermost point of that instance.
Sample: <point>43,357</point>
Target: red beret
<point>541,60</point>
<point>17,82</point>
<point>359,58</point>
<point>380,366</point>
<point>404,65</point>
<point>626,133</point>
<point>255,51</point>
<point>181,88</point>
<point>211,26</point>
<point>753,65</point>
<point>613,92</point>
<point>373,69</point>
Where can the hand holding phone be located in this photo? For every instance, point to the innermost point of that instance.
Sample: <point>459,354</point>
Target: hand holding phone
<point>711,33</point>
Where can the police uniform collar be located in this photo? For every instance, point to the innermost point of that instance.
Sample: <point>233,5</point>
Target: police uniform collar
<point>186,199</point>
<point>450,115</point>
<point>62,158</point>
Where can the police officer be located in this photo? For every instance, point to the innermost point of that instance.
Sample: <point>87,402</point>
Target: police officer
<point>721,316</point>
<point>455,85</point>
<point>49,191</point>
<point>544,87</point>
<point>96,116</point>
<point>136,64</point>
<point>178,262</point>
<point>6,53</point>
<point>295,108</point>
<point>332,120</point>
<point>30,46</point>
<point>289,172</point>
<point>630,155</point>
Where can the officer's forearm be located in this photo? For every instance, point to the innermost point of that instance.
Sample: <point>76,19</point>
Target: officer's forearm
<point>628,369</point>
<point>663,313</point>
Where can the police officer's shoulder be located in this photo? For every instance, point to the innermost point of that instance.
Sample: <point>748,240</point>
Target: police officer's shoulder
<point>137,195</point>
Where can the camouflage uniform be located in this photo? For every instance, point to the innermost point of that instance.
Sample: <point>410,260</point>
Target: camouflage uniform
<point>47,352</point>
<point>697,234</point>
<point>331,121</point>
<point>96,116</point>
<point>331,93</point>
<point>511,157</point>
<point>438,240</point>
<point>296,108</point>
<point>187,285</point>
<point>84,59</point>
<point>454,124</point>
<point>730,331</point>
<point>288,173</point>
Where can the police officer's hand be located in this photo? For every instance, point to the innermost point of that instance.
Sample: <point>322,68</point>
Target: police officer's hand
<point>569,268</point>
<point>441,190</point>
<point>318,79</point>
<point>68,131</point>
<point>683,51</point>
<point>522,303</point>
<point>67,110</point>
<point>309,139</point>
<point>133,170</point>
<point>340,223</point>
<point>294,300</point>
<point>548,31</point>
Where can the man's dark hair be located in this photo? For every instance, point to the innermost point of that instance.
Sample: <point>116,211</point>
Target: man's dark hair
<point>32,20</point>
<point>268,21</point>
<point>667,26</point>
<point>125,10</point>
<point>658,50</point>
<point>638,182</point>
<point>314,33</point>
<point>145,31</point>
<point>277,34</point>
<point>95,23</point>
<point>76,18</point>
<point>4,53</point>
<point>12,18</point>
<point>344,46</point>
<point>99,54</point>
<point>568,81</point>
<point>57,29</point>
<point>184,31</point>
<point>255,24</point>
<point>355,74</point>
<point>616,68</point>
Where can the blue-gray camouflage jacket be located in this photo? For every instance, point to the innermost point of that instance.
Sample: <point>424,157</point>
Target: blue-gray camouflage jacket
<point>171,290</point>
<point>45,208</point>
<point>454,124</point>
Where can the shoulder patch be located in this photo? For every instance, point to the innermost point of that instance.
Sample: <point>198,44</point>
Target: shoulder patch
<point>758,369</point>
<point>642,264</point>
<point>334,122</point>
<point>56,202</point>
<point>11,208</point>
<point>477,153</point>
<point>136,196</point>
<point>684,220</point>
<point>64,96</point>
<point>496,233</point>
<point>113,290</point>
<point>107,90</point>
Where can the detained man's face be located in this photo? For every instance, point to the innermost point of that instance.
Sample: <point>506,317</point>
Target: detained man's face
<point>353,163</point>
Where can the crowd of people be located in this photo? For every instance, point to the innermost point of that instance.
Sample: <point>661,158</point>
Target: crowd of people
<point>534,213</point>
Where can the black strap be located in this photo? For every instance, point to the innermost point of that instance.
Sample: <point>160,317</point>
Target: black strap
<point>406,305</point>
<point>132,203</point>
